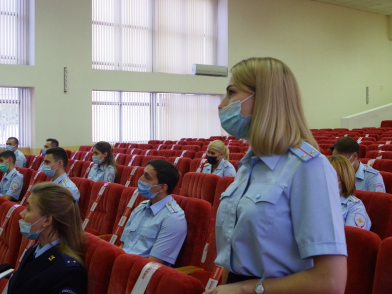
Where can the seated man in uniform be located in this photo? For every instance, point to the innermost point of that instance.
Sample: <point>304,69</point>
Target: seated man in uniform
<point>50,143</point>
<point>55,163</point>
<point>12,145</point>
<point>367,178</point>
<point>157,227</point>
<point>12,183</point>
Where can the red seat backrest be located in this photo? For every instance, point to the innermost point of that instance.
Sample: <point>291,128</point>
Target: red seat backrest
<point>127,175</point>
<point>145,146</point>
<point>154,142</point>
<point>374,147</point>
<point>36,162</point>
<point>146,152</point>
<point>191,147</point>
<point>27,173</point>
<point>376,153</point>
<point>120,150</point>
<point>167,153</point>
<point>386,123</point>
<point>10,238</point>
<point>235,163</point>
<point>235,149</point>
<point>126,271</point>
<point>387,177</point>
<point>79,155</point>
<point>102,220</point>
<point>134,151</point>
<point>203,154</point>
<point>87,165</point>
<point>196,143</point>
<point>183,164</point>
<point>174,147</point>
<point>365,160</point>
<point>36,178</point>
<point>236,156</point>
<point>147,158</point>
<point>379,208</point>
<point>196,163</point>
<point>382,277</point>
<point>383,165</point>
<point>205,147</point>
<point>159,146</point>
<point>85,187</point>
<point>120,169</point>
<point>186,153</point>
<point>360,263</point>
<point>199,185</point>
<point>74,168</point>
<point>134,160</point>
<point>86,148</point>
<point>120,158</point>
<point>362,150</point>
<point>99,259</point>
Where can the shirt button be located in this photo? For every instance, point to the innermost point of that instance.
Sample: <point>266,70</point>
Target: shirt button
<point>258,196</point>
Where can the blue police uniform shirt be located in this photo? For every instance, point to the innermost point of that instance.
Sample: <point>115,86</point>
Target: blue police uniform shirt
<point>279,212</point>
<point>102,173</point>
<point>369,179</point>
<point>158,230</point>
<point>20,159</point>
<point>12,184</point>
<point>40,250</point>
<point>66,182</point>
<point>354,213</point>
<point>224,169</point>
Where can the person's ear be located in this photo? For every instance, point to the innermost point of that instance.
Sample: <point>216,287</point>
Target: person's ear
<point>105,155</point>
<point>164,188</point>
<point>355,155</point>
<point>48,221</point>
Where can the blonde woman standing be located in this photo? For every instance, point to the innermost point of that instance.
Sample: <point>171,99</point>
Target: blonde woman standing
<point>55,264</point>
<point>279,227</point>
<point>218,160</point>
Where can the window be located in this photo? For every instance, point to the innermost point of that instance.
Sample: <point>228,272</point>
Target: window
<point>140,117</point>
<point>165,36</point>
<point>14,31</point>
<point>15,115</point>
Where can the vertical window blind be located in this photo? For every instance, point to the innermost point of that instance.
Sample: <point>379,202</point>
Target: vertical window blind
<point>165,36</point>
<point>14,31</point>
<point>15,115</point>
<point>140,117</point>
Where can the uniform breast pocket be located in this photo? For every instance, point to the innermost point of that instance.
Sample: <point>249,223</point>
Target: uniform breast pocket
<point>258,206</point>
<point>129,232</point>
<point>225,200</point>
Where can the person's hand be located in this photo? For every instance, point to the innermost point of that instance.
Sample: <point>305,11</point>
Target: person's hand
<point>235,288</point>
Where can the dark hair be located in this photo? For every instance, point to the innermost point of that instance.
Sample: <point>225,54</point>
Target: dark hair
<point>58,154</point>
<point>346,145</point>
<point>15,140</point>
<point>109,159</point>
<point>7,154</point>
<point>53,142</point>
<point>167,173</point>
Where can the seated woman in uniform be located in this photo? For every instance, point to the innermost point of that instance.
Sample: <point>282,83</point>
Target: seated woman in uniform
<point>55,264</point>
<point>105,167</point>
<point>354,212</point>
<point>218,160</point>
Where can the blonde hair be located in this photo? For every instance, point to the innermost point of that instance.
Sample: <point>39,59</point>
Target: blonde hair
<point>346,172</point>
<point>219,146</point>
<point>278,121</point>
<point>57,201</point>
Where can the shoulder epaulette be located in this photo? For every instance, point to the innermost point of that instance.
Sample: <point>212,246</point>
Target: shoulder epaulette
<point>305,152</point>
<point>144,202</point>
<point>172,207</point>
<point>225,164</point>
<point>69,261</point>
<point>370,170</point>
<point>354,199</point>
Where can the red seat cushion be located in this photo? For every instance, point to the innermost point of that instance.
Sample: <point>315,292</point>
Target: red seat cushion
<point>199,185</point>
<point>382,277</point>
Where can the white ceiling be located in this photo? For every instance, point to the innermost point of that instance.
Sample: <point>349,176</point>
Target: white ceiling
<point>374,6</point>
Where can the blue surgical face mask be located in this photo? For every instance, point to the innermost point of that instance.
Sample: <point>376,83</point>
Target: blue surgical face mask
<point>47,169</point>
<point>43,151</point>
<point>4,168</point>
<point>9,147</point>
<point>25,230</point>
<point>96,160</point>
<point>233,122</point>
<point>144,189</point>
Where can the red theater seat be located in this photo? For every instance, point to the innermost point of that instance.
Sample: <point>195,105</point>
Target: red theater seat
<point>362,249</point>
<point>120,150</point>
<point>235,163</point>
<point>382,277</point>
<point>85,187</point>
<point>196,143</point>
<point>383,165</point>
<point>99,259</point>
<point>36,178</point>
<point>236,156</point>
<point>79,155</point>
<point>27,173</point>
<point>102,219</point>
<point>147,158</point>
<point>379,208</point>
<point>159,147</point>
<point>35,162</point>
<point>86,148</point>
<point>199,185</point>
<point>74,168</point>
<point>387,177</point>
<point>145,146</point>
<point>120,169</point>
<point>120,158</point>
<point>235,149</point>
<point>10,238</point>
<point>154,142</point>
<point>86,169</point>
<point>203,154</point>
<point>376,154</point>
<point>134,151</point>
<point>126,271</point>
<point>386,123</point>
<point>195,148</point>
<point>149,152</point>
<point>174,147</point>
<point>182,163</point>
<point>131,174</point>
<point>186,153</point>
<point>134,160</point>
<point>166,153</point>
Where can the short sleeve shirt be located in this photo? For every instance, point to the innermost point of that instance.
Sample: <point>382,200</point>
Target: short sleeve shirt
<point>158,230</point>
<point>102,173</point>
<point>66,182</point>
<point>12,184</point>
<point>369,179</point>
<point>224,169</point>
<point>280,211</point>
<point>20,159</point>
<point>354,213</point>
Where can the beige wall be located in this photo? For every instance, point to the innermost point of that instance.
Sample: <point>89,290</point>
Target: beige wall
<point>334,52</point>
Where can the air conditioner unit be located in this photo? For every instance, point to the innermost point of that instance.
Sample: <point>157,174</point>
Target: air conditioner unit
<point>209,70</point>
